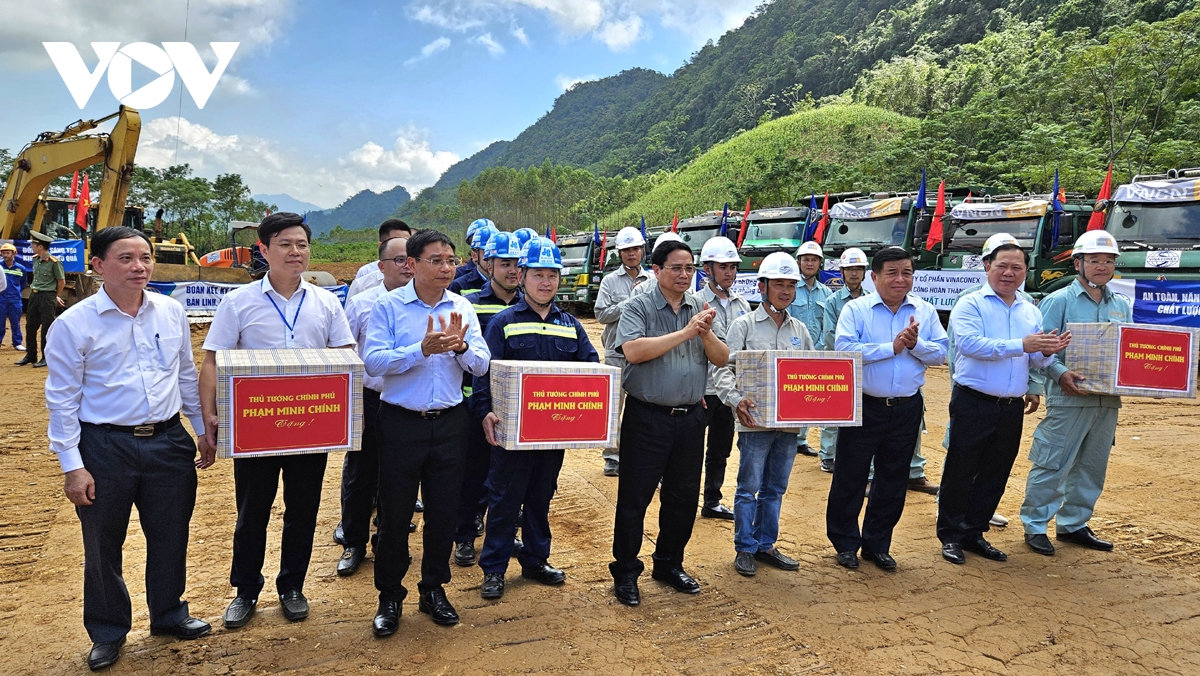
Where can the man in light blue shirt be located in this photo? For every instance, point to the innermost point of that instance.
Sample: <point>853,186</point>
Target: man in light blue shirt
<point>899,335</point>
<point>998,338</point>
<point>810,310</point>
<point>421,339</point>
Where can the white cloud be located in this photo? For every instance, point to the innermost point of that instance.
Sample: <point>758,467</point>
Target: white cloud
<point>438,45</point>
<point>565,82</point>
<point>266,168</point>
<point>519,34</point>
<point>619,35</point>
<point>494,48</point>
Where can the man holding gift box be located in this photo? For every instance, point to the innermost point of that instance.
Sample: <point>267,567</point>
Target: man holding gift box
<point>998,337</point>
<point>899,336</point>
<point>808,307</point>
<point>534,329</point>
<point>765,457</point>
<point>280,311</point>
<point>1072,443</point>
<point>667,339</point>
<point>420,340</point>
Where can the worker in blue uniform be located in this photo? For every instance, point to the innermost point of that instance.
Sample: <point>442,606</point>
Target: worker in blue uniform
<point>477,278</point>
<point>535,329</point>
<point>473,256</point>
<point>10,294</point>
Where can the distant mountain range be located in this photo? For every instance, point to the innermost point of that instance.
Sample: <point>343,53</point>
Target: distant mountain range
<point>287,203</point>
<point>365,210</point>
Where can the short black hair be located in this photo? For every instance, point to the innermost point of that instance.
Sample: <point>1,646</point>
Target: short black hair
<point>1008,247</point>
<point>103,240</point>
<point>662,251</point>
<point>389,226</point>
<point>383,246</point>
<point>892,253</point>
<point>276,222</point>
<point>159,214</point>
<point>418,242</point>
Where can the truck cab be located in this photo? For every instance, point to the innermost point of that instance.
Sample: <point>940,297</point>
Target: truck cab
<point>771,230</point>
<point>697,230</point>
<point>1156,221</point>
<point>581,261</point>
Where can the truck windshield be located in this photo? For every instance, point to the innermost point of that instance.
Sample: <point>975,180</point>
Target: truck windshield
<point>779,230</point>
<point>697,237</point>
<point>972,234</point>
<point>574,255</point>
<point>887,231</point>
<point>1156,222</point>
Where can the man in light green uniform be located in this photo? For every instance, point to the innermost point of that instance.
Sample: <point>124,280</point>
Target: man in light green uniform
<point>810,295</point>
<point>45,298</point>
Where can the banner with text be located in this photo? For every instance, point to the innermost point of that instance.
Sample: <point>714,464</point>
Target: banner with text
<point>69,251</point>
<point>273,414</point>
<point>204,297</point>
<point>1168,302</point>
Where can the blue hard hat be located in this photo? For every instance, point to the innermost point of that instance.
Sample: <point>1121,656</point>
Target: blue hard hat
<point>527,235</point>
<point>502,245</point>
<point>541,253</point>
<point>475,226</point>
<point>482,235</point>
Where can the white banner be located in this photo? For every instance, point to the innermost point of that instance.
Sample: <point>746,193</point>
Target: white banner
<point>204,297</point>
<point>941,287</point>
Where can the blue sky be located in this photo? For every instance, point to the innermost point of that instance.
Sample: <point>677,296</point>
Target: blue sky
<point>323,99</point>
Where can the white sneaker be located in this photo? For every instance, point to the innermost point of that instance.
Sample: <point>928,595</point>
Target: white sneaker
<point>999,520</point>
<point>19,348</point>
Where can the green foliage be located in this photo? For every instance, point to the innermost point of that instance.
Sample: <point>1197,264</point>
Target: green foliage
<point>200,208</point>
<point>367,209</point>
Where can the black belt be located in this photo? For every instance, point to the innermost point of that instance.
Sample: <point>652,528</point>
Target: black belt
<point>669,410</point>
<point>1003,401</point>
<point>423,415</point>
<point>43,291</point>
<point>147,430</point>
<point>888,401</point>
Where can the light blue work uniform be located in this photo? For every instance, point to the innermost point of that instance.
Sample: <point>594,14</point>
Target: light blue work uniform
<point>810,310</point>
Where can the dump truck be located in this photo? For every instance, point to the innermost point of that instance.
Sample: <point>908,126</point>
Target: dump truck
<point>581,262</point>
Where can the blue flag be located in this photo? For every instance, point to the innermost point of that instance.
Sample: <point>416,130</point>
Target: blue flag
<point>725,220</point>
<point>810,224</point>
<point>643,227</point>
<point>1057,207</point>
<point>921,194</point>
<point>547,232</point>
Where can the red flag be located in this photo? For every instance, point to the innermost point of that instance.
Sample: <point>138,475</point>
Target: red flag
<point>1096,222</point>
<point>603,249</point>
<point>969,196</point>
<point>84,203</point>
<point>819,236</point>
<point>554,234</point>
<point>75,185</point>
<point>935,227</point>
<point>745,218</point>
<point>675,223</point>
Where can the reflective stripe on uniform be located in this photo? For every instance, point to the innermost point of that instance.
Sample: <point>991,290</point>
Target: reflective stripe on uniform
<point>467,391</point>
<point>488,309</point>
<point>467,292</point>
<point>537,328</point>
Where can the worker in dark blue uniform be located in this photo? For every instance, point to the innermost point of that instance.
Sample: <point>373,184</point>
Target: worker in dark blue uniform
<point>476,279</point>
<point>534,329</point>
<point>473,256</point>
<point>501,257</point>
<point>10,294</point>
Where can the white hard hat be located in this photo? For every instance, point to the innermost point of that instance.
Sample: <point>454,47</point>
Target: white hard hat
<point>810,248</point>
<point>854,257</point>
<point>628,238</point>
<point>719,250</point>
<point>1096,241</point>
<point>779,266</point>
<point>667,237</point>
<point>996,241</point>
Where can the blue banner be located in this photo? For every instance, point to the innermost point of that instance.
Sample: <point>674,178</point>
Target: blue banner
<point>1167,302</point>
<point>69,251</point>
<point>206,296</point>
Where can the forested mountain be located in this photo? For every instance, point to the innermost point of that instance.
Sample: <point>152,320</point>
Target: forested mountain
<point>364,210</point>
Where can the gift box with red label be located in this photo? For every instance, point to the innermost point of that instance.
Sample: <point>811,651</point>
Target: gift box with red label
<point>288,402</point>
<point>1134,360</point>
<point>801,388</point>
<point>550,405</point>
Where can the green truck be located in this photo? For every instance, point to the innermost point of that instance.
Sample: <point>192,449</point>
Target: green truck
<point>780,229</point>
<point>581,261</point>
<point>1156,221</point>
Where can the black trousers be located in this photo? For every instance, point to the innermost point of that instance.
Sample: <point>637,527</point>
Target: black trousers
<point>158,474</point>
<point>889,437</point>
<point>719,419</point>
<point>418,453</point>
<point>39,313</point>
<point>360,477</point>
<point>474,499</point>
<point>985,437</point>
<point>656,445</point>
<point>256,480</point>
<point>519,479</point>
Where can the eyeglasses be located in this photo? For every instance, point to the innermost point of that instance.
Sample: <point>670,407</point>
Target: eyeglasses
<point>677,269</point>
<point>440,262</point>
<point>398,260</point>
<point>289,246</point>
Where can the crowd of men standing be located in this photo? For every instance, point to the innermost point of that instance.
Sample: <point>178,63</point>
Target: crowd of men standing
<point>122,369</point>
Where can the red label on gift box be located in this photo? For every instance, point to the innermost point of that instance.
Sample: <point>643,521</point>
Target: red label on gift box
<point>814,390</point>
<point>278,413</point>
<point>564,408</point>
<point>1156,360</point>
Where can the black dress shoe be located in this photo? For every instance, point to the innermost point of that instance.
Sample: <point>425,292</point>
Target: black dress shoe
<point>545,573</point>
<point>419,506</point>
<point>493,586</point>
<point>778,559</point>
<point>412,527</point>
<point>104,655</point>
<point>805,449</point>
<point>744,564</point>
<point>717,511</point>
<point>1039,543</point>
<point>1084,536</point>
<point>464,553</point>
<point>239,612</point>
<point>517,547</point>
<point>24,361</point>
<point>478,525</point>
<point>387,619</point>
<point>40,364</point>
<point>985,549</point>
<point>294,605</point>
<point>953,552</point>
<point>187,630</point>
<point>848,560</point>
<point>435,604</point>
<point>339,535</point>
<point>881,561</point>
<point>352,558</point>
<point>679,580</point>
<point>626,589</point>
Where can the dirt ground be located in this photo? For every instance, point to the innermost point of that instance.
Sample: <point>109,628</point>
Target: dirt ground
<point>1135,610</point>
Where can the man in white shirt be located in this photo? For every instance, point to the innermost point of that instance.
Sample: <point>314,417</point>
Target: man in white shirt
<point>279,311</point>
<point>120,370</point>
<point>360,470</point>
<point>370,274</point>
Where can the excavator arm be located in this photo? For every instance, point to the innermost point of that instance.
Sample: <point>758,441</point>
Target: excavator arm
<point>56,154</point>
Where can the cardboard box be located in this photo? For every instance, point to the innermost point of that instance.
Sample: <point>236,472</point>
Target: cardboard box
<point>1134,360</point>
<point>288,402</point>
<point>545,405</point>
<point>801,388</point>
